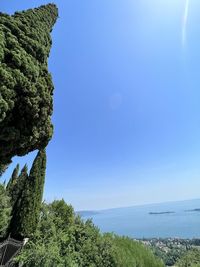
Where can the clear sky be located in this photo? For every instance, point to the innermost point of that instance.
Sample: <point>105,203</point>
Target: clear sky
<point>126,103</point>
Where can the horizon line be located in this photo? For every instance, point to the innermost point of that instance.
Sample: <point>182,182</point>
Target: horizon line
<point>138,205</point>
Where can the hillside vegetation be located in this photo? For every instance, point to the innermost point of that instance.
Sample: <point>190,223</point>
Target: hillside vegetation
<point>190,259</point>
<point>63,239</point>
<point>128,252</point>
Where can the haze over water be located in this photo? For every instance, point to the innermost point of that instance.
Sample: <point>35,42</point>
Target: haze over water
<point>136,221</point>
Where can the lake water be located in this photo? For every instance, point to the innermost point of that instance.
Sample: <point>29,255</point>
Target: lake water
<point>136,221</point>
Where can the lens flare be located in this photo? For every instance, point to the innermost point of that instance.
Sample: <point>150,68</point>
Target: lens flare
<point>185,20</point>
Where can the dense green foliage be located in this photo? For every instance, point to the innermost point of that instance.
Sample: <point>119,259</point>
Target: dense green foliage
<point>25,85</point>
<point>131,253</point>
<point>5,210</point>
<point>190,259</point>
<point>171,257</point>
<point>26,206</point>
<point>63,239</point>
<point>60,242</point>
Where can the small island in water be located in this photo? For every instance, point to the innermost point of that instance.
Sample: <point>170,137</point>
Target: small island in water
<point>161,212</point>
<point>193,210</point>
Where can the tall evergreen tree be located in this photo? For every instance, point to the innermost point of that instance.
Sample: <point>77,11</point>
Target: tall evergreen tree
<point>26,87</point>
<point>17,184</point>
<point>26,209</point>
<point>13,179</point>
<point>3,168</point>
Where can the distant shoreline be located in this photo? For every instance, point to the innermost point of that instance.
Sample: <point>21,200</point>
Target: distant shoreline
<point>138,205</point>
<point>85,213</point>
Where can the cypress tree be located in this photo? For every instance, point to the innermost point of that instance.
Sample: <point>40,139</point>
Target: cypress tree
<point>26,210</point>
<point>5,210</point>
<point>16,185</point>
<point>3,168</point>
<point>13,179</point>
<point>26,86</point>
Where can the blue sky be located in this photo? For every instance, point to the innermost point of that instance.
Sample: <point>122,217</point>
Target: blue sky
<point>126,103</point>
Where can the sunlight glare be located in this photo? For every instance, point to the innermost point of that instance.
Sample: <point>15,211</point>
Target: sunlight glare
<point>185,20</point>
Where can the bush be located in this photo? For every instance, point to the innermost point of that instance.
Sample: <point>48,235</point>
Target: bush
<point>128,252</point>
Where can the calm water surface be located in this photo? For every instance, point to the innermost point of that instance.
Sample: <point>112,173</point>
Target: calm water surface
<point>137,222</point>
